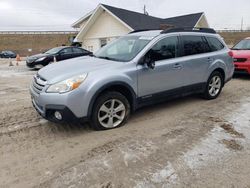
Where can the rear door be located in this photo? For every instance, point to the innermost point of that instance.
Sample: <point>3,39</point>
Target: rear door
<point>196,59</point>
<point>77,52</point>
<point>65,53</point>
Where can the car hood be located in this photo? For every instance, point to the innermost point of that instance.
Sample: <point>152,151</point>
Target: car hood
<point>62,70</point>
<point>37,56</point>
<point>241,53</point>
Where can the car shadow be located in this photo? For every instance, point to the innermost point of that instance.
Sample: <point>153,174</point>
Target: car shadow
<point>138,116</point>
<point>65,129</point>
<point>242,76</point>
<point>159,107</point>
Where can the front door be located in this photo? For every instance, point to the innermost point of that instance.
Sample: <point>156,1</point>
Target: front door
<point>167,74</point>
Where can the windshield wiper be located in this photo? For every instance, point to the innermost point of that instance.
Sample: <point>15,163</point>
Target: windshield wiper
<point>104,57</point>
<point>108,58</point>
<point>241,49</point>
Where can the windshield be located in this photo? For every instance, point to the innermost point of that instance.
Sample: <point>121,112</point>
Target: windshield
<point>53,50</point>
<point>123,49</point>
<point>242,45</point>
<point>8,52</point>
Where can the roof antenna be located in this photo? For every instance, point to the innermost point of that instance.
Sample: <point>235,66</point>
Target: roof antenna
<point>145,11</point>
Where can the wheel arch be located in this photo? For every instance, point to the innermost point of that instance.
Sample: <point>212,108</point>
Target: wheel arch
<point>220,70</point>
<point>121,87</point>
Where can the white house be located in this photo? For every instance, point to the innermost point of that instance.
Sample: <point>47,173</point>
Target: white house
<point>106,23</point>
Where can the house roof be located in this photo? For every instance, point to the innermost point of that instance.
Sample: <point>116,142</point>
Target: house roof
<point>139,21</point>
<point>77,24</point>
<point>189,20</point>
<point>136,21</point>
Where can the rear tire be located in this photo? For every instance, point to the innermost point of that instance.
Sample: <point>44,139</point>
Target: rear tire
<point>111,110</point>
<point>214,86</point>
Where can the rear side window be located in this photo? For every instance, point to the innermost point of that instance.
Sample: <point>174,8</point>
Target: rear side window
<point>66,51</point>
<point>215,44</point>
<point>77,50</point>
<point>165,49</point>
<point>194,45</point>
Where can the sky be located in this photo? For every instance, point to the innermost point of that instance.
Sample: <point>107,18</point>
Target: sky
<point>55,15</point>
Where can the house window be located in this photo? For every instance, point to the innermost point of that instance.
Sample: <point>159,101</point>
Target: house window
<point>103,42</point>
<point>90,48</point>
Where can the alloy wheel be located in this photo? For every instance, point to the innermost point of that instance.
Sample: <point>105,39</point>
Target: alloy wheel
<point>112,113</point>
<point>214,86</point>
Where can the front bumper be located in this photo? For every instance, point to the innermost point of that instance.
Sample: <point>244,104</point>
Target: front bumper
<point>242,67</point>
<point>67,114</point>
<point>36,65</point>
<point>30,64</point>
<point>46,104</point>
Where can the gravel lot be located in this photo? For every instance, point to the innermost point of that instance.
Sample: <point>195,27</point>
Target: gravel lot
<point>189,142</point>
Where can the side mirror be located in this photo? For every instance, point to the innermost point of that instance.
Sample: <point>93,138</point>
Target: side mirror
<point>149,61</point>
<point>151,64</point>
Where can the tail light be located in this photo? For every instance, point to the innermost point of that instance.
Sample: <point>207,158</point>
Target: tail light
<point>230,53</point>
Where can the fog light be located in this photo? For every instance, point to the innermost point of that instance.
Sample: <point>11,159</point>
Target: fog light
<point>58,115</point>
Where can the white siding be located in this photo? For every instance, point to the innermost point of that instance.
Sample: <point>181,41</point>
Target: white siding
<point>83,23</point>
<point>202,22</point>
<point>105,26</point>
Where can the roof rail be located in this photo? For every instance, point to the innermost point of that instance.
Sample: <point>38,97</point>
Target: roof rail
<point>141,30</point>
<point>189,29</point>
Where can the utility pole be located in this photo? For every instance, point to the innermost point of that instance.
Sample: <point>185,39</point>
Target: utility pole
<point>242,21</point>
<point>145,10</point>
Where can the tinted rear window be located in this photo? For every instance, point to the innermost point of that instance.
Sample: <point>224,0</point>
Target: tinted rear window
<point>194,45</point>
<point>77,50</point>
<point>215,44</point>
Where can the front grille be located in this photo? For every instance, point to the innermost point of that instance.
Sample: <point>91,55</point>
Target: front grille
<point>240,60</point>
<point>38,84</point>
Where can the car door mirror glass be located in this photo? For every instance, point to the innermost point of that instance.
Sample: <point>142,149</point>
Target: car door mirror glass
<point>150,63</point>
<point>148,60</point>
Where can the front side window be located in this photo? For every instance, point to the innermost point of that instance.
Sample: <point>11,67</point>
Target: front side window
<point>123,49</point>
<point>242,45</point>
<point>165,49</point>
<point>194,45</point>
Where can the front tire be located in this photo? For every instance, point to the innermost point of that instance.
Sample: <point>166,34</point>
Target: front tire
<point>214,86</point>
<point>111,110</point>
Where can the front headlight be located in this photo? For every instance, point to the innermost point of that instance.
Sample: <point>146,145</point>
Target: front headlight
<point>67,85</point>
<point>41,59</point>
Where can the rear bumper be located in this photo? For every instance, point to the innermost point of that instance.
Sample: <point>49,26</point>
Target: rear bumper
<point>242,67</point>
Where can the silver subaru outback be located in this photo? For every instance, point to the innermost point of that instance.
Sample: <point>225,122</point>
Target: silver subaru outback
<point>139,69</point>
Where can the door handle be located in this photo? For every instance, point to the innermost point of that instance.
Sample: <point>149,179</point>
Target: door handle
<point>177,66</point>
<point>210,60</point>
